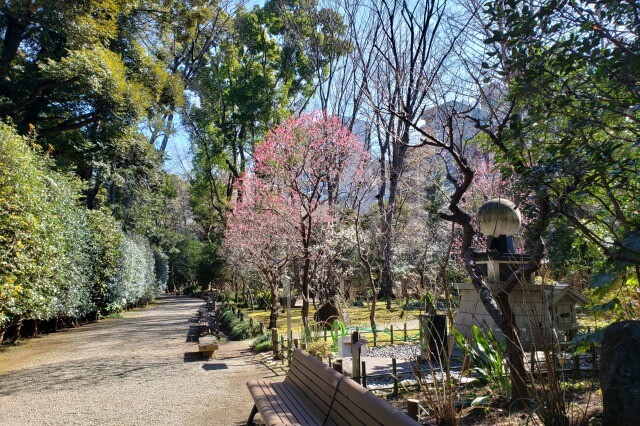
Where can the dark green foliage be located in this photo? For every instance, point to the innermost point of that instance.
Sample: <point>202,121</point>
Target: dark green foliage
<point>572,73</point>
<point>572,257</point>
<point>240,331</point>
<point>262,343</point>
<point>487,357</point>
<point>59,259</point>
<point>236,329</point>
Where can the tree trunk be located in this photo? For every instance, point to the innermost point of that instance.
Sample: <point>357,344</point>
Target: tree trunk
<point>13,36</point>
<point>18,329</point>
<point>273,316</point>
<point>372,313</point>
<point>386,285</point>
<point>305,294</point>
<point>388,213</point>
<point>515,353</point>
<point>167,132</point>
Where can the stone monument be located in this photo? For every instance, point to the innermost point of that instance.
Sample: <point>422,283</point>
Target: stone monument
<point>542,312</point>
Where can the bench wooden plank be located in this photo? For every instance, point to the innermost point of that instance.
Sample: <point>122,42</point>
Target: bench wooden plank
<point>302,412</point>
<point>356,405</point>
<point>303,403</point>
<point>279,405</point>
<point>274,403</point>
<point>311,385</point>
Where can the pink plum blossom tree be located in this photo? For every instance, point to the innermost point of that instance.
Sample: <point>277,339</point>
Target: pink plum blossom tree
<point>312,162</point>
<point>257,237</point>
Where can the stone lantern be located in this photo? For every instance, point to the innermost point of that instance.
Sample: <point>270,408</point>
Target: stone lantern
<point>542,311</point>
<point>499,220</point>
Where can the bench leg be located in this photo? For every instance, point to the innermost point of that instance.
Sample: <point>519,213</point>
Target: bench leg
<point>254,411</point>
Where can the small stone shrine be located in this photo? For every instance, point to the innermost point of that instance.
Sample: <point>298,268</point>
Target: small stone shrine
<point>541,311</point>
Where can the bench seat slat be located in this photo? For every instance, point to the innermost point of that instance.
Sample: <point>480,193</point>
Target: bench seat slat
<point>284,413</point>
<point>294,400</point>
<point>279,405</point>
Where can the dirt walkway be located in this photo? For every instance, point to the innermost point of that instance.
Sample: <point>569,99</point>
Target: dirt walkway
<point>127,371</point>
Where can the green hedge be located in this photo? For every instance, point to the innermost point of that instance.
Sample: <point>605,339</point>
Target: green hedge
<point>236,329</point>
<point>58,259</point>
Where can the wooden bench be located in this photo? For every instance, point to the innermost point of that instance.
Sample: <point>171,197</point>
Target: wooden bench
<point>207,345</point>
<point>312,393</point>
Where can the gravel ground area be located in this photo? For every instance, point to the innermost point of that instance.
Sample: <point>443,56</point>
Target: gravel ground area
<point>134,370</point>
<point>404,352</point>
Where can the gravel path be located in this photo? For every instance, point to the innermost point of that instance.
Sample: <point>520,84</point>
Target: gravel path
<point>134,370</point>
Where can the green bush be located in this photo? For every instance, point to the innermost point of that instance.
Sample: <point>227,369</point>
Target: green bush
<point>161,269</point>
<point>240,331</point>
<point>262,343</point>
<point>106,252</point>
<point>31,233</point>
<point>237,330</point>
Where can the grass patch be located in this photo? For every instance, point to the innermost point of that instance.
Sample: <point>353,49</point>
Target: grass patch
<point>358,317</point>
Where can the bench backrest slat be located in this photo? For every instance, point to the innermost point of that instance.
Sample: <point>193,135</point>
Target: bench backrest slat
<point>314,381</point>
<point>314,384</point>
<point>355,405</point>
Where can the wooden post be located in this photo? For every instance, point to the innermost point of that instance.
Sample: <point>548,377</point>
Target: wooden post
<point>261,327</point>
<point>391,329</point>
<point>239,313</point>
<point>251,323</point>
<point>241,316</point>
<point>355,363</point>
<point>296,342</point>
<point>282,348</point>
<point>274,342</point>
<point>337,365</point>
<point>363,374</point>
<point>329,360</point>
<point>405,331</point>
<point>303,346</point>
<point>325,334</point>
<point>413,408</point>
<point>394,369</point>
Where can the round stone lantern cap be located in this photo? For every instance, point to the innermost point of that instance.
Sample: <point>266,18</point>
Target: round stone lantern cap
<point>499,217</point>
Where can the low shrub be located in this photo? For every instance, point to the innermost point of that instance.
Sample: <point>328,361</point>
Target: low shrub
<point>320,347</point>
<point>240,331</point>
<point>262,343</point>
<point>236,329</point>
<point>263,347</point>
